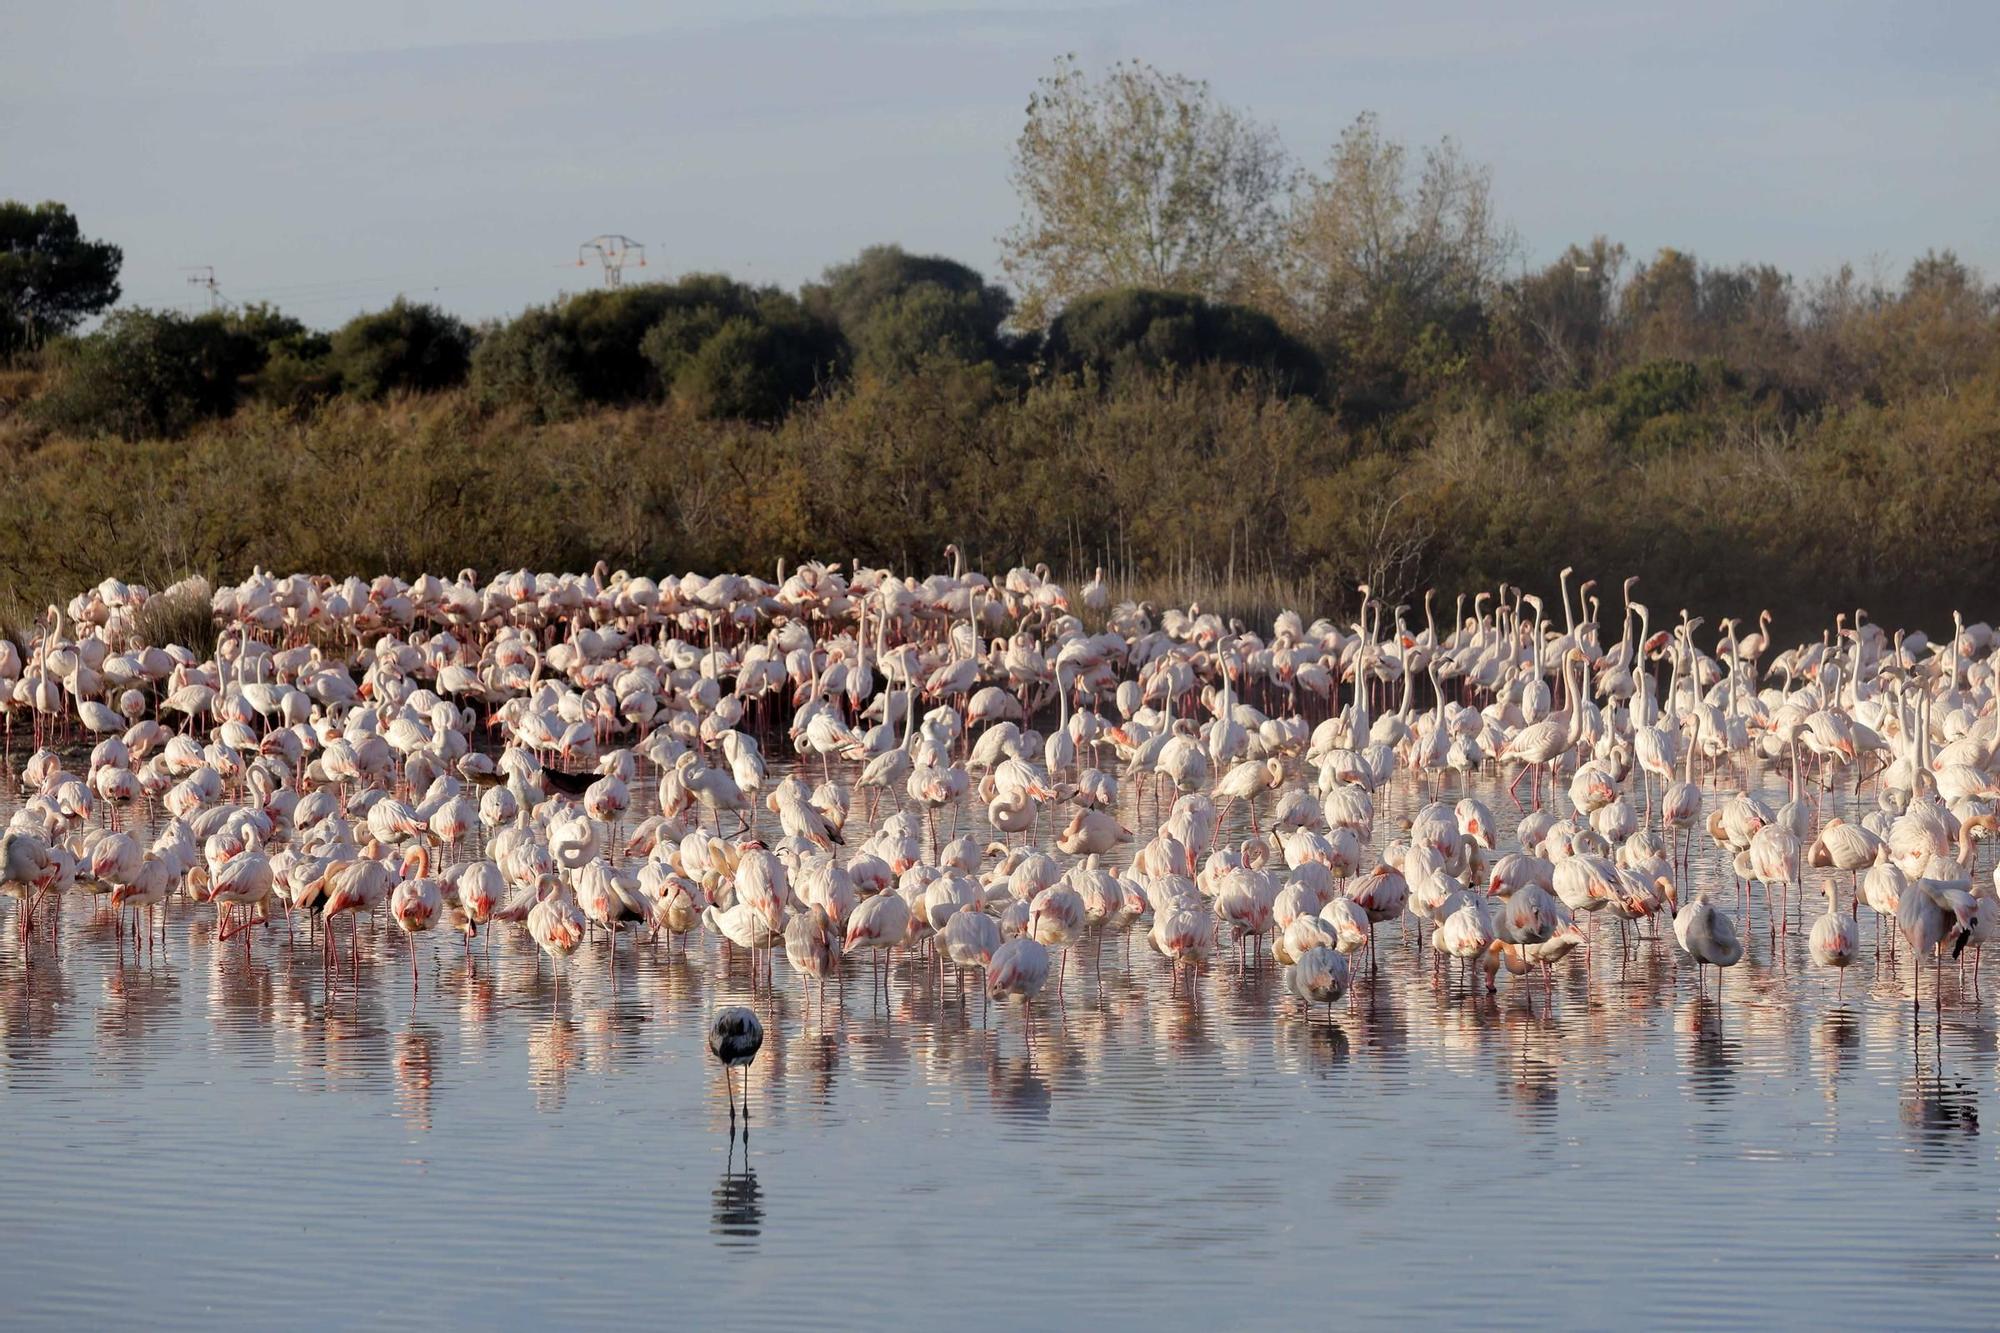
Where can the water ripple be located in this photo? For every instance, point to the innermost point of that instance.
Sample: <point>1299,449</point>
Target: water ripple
<point>205,1138</point>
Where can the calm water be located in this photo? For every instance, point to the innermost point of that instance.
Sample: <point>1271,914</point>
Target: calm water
<point>205,1140</point>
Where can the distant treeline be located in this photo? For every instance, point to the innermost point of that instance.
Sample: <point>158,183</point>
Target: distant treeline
<point>1300,382</point>
<point>1664,355</point>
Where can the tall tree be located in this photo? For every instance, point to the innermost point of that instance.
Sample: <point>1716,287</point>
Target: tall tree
<point>1942,330</point>
<point>1661,307</point>
<point>1387,266</point>
<point>51,278</point>
<point>1560,321</point>
<point>1139,179</point>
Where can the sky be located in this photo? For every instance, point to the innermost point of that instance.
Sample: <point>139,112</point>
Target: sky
<point>329,157</point>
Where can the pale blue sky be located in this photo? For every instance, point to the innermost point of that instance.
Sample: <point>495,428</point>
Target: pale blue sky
<point>326,157</point>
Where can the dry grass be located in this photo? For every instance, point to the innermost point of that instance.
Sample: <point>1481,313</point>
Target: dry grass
<point>1182,492</point>
<point>15,618</point>
<point>18,385</point>
<point>182,617</point>
<point>1255,600</point>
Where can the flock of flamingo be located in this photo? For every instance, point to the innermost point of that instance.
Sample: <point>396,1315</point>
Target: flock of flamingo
<point>462,757</point>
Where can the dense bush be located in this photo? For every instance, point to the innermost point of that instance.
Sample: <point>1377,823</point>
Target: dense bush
<point>408,346</point>
<point>632,344</point>
<point>158,372</point>
<point>150,373</point>
<point>1733,437</point>
<point>898,311</point>
<point>1135,328</point>
<point>738,351</point>
<point>529,363</point>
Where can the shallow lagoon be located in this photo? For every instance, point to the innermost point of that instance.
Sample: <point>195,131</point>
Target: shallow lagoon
<point>201,1139</point>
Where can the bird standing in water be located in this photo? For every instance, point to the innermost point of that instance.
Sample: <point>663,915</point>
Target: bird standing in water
<point>734,1039</point>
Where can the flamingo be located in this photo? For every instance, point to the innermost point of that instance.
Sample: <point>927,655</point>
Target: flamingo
<point>1056,916</point>
<point>1018,967</point>
<point>415,905</point>
<point>1832,941</point>
<point>812,945</point>
<point>555,923</point>
<point>879,924</point>
<point>352,887</point>
<point>1318,977</point>
<point>1709,937</point>
<point>970,939</point>
<point>29,872</point>
<point>734,1038</point>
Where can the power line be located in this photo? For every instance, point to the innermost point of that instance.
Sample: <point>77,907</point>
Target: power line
<point>286,289</point>
<point>367,294</point>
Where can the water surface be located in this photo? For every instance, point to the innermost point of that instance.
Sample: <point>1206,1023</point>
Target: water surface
<point>204,1139</point>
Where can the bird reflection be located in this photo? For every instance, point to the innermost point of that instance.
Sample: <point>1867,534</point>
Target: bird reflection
<point>1319,1044</point>
<point>553,1051</point>
<point>1017,1090</point>
<point>241,995</point>
<point>611,1034</point>
<point>1713,1054</point>
<point>477,1002</point>
<point>1941,1112</point>
<point>136,1005</point>
<point>1533,1050</point>
<point>1838,1039</point>
<point>1379,1023</point>
<point>738,1215</point>
<point>416,1073</point>
<point>353,1043</point>
<point>813,1057</point>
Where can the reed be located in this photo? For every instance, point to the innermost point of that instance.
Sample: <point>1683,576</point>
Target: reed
<point>178,615</point>
<point>1224,495</point>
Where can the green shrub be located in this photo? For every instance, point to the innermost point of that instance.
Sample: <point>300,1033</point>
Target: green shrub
<point>897,310</point>
<point>150,373</point>
<point>632,344</point>
<point>754,364</point>
<point>1185,479</point>
<point>1134,328</point>
<point>528,363</point>
<point>408,346</point>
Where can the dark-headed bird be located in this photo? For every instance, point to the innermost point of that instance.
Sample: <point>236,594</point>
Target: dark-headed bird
<point>734,1039</point>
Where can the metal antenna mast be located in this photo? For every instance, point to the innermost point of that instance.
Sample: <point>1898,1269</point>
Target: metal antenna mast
<point>203,276</point>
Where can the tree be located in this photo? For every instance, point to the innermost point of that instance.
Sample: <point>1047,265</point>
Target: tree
<point>1677,308</point>
<point>1139,179</point>
<point>529,362</point>
<point>1661,307</point>
<point>1111,332</point>
<point>751,353</point>
<point>51,278</point>
<point>1942,330</point>
<point>153,373</point>
<point>605,329</point>
<point>410,345</point>
<point>897,310</point>
<point>634,343</point>
<point>281,360</point>
<point>1388,272</point>
<point>1560,322</point>
<point>1746,319</point>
